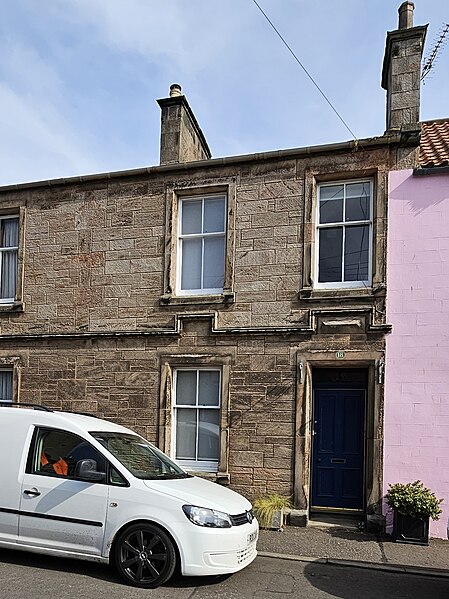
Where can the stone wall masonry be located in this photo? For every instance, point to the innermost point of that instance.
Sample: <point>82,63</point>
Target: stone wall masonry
<point>119,379</point>
<point>95,264</point>
<point>94,252</point>
<point>267,171</point>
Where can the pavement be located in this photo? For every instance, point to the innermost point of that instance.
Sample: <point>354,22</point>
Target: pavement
<point>345,545</point>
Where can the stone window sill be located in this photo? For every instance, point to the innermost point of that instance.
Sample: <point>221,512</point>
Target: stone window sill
<point>14,307</point>
<point>308,293</point>
<point>227,297</point>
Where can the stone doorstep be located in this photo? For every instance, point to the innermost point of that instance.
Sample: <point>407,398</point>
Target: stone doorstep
<point>300,518</point>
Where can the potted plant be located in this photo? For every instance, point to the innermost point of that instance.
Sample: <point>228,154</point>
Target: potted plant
<point>270,510</point>
<point>412,504</point>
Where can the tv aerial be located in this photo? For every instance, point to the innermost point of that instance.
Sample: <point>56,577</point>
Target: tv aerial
<point>432,57</point>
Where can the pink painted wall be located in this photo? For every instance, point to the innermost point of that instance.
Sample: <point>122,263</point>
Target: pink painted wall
<point>417,355</point>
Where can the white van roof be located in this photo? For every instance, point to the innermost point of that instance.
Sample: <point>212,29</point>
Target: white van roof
<point>73,422</point>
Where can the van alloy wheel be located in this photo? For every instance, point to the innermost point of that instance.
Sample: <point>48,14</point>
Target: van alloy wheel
<point>145,556</point>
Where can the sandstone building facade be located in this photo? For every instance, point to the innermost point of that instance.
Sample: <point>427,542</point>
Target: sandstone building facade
<point>230,310</point>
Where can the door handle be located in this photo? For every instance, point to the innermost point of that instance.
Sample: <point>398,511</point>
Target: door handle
<point>32,492</point>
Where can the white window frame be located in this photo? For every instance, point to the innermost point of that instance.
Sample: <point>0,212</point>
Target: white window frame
<point>202,290</point>
<point>344,225</point>
<point>195,465</point>
<point>9,300</point>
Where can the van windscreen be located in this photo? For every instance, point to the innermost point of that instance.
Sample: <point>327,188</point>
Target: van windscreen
<point>138,456</point>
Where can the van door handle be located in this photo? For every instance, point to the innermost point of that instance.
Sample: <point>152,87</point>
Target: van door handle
<point>32,492</point>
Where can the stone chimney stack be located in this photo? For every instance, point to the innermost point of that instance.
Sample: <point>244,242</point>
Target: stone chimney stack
<point>181,137</point>
<point>401,72</point>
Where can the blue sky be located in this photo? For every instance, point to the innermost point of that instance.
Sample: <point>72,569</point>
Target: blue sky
<point>79,79</point>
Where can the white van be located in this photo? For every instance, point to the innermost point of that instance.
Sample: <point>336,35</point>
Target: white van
<point>77,486</point>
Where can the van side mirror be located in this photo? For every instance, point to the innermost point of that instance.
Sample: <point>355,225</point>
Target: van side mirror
<point>87,470</point>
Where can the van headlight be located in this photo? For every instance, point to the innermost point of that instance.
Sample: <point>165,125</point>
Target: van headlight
<point>202,516</point>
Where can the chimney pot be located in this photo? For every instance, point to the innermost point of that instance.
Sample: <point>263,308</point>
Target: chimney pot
<point>406,15</point>
<point>175,90</point>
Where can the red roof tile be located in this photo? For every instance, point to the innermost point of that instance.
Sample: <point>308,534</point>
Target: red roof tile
<point>434,147</point>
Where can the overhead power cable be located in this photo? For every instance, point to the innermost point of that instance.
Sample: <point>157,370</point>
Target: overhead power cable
<point>305,70</point>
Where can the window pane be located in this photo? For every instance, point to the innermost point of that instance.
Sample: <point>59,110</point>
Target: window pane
<point>357,208</point>
<point>208,437</point>
<point>191,264</point>
<point>356,253</point>
<point>191,216</point>
<point>331,211</point>
<point>331,192</point>
<point>82,450</point>
<point>214,215</point>
<point>52,452</point>
<point>209,391</point>
<point>58,453</point>
<point>138,456</point>
<point>185,434</point>
<point>358,201</point>
<point>330,259</point>
<point>355,190</point>
<point>10,232</point>
<point>8,274</point>
<point>186,387</point>
<point>5,385</point>
<point>213,263</point>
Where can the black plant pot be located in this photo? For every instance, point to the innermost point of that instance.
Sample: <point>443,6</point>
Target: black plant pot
<point>411,529</point>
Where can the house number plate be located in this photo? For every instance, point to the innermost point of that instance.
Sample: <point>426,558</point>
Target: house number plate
<point>340,355</point>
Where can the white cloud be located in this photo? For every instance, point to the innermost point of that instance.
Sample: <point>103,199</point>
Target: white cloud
<point>33,128</point>
<point>37,141</point>
<point>186,35</point>
<point>23,65</point>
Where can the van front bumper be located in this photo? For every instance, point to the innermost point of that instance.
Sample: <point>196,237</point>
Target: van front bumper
<point>218,551</point>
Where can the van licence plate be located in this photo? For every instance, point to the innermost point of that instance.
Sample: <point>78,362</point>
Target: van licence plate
<point>252,537</point>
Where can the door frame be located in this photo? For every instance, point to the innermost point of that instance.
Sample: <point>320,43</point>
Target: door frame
<point>373,463</point>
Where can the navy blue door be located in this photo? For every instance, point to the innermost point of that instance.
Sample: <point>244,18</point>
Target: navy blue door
<point>338,449</point>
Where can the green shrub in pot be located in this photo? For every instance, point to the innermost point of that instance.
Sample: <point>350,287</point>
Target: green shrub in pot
<point>269,510</point>
<point>413,499</point>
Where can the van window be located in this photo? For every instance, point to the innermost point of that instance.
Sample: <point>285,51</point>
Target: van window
<point>138,456</point>
<point>57,453</point>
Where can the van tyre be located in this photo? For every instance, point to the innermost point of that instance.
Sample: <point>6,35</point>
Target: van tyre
<point>145,556</point>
